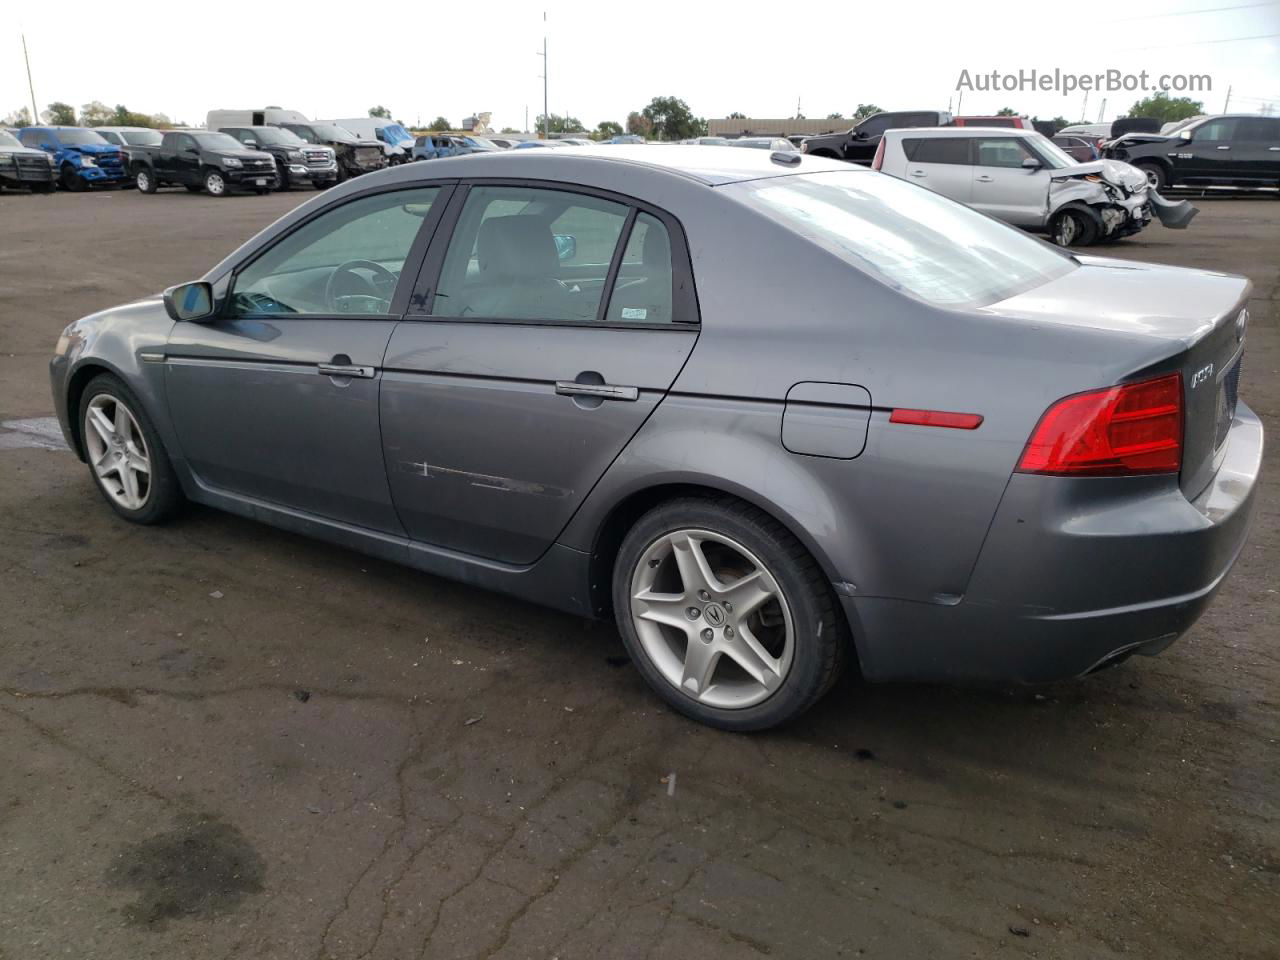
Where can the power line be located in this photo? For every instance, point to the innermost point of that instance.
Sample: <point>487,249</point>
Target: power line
<point>1191,13</point>
<point>1198,43</point>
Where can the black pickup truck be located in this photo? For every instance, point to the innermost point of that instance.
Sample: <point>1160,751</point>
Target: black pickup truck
<point>859,144</point>
<point>1230,150</point>
<point>199,160</point>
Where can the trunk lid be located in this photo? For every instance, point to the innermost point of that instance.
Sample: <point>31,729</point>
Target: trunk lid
<point>1200,316</point>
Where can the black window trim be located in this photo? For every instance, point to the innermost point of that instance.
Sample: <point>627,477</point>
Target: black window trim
<point>685,312</point>
<point>224,286</point>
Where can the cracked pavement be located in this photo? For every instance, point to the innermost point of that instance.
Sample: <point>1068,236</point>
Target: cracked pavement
<point>222,740</point>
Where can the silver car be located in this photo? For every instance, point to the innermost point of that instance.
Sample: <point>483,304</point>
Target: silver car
<point>1023,178</point>
<point>772,414</point>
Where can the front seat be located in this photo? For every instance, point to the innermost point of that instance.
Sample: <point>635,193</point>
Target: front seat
<point>518,278</point>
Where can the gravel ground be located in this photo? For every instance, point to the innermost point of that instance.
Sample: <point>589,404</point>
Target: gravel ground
<point>218,739</point>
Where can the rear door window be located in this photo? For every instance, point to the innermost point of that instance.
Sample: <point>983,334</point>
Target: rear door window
<point>1258,129</point>
<point>642,290</point>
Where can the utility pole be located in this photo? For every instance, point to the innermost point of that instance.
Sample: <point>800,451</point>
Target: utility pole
<point>546,116</point>
<point>1226,106</point>
<point>1103,112</point>
<point>1084,109</point>
<point>35,112</point>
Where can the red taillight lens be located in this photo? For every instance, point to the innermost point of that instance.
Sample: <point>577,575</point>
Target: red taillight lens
<point>1120,431</point>
<point>879,157</point>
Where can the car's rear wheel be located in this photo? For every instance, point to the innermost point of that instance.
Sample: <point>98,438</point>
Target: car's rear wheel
<point>1157,179</point>
<point>725,613</point>
<point>1073,228</point>
<point>215,184</point>
<point>145,181</point>
<point>126,458</point>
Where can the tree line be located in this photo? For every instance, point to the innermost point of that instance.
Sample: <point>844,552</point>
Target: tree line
<point>92,114</point>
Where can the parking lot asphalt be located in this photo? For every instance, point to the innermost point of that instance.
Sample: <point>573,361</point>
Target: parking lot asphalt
<point>221,740</point>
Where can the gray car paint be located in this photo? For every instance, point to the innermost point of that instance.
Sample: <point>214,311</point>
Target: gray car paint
<point>899,530</point>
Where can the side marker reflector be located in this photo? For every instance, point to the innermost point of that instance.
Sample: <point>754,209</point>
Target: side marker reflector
<point>937,418</point>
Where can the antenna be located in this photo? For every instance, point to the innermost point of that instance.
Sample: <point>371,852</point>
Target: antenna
<point>35,113</point>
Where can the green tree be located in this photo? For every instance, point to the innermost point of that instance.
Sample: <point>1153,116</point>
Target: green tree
<point>19,118</point>
<point>639,125</point>
<point>559,124</point>
<point>60,114</point>
<point>122,116</point>
<point>1007,112</point>
<point>1166,109</point>
<point>865,110</point>
<point>440,123</point>
<point>737,116</point>
<point>607,129</point>
<point>96,114</point>
<point>672,119</point>
<point>380,111</point>
<point>835,116</point>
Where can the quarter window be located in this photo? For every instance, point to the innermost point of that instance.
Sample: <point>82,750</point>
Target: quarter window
<point>345,261</point>
<point>937,150</point>
<point>522,253</point>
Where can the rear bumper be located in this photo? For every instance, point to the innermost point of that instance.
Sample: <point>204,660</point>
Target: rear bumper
<point>1074,573</point>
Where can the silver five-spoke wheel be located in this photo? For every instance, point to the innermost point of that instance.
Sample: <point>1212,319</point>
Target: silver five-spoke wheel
<point>712,619</point>
<point>117,451</point>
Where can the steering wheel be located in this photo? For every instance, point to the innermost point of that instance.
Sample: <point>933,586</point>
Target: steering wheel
<point>382,281</point>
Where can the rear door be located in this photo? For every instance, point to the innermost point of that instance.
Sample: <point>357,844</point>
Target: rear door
<point>942,164</point>
<point>277,398</point>
<point>1003,187</point>
<point>528,362</point>
<point>1257,149</point>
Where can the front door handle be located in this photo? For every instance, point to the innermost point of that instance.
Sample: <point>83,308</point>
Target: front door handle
<point>918,173</point>
<point>1274,149</point>
<point>605,391</point>
<point>1223,146</point>
<point>984,179</point>
<point>344,370</point>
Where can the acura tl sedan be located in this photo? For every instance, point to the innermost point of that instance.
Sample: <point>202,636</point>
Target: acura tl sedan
<point>773,414</point>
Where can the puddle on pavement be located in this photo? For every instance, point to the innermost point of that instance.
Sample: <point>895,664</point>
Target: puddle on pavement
<point>203,868</point>
<point>38,433</point>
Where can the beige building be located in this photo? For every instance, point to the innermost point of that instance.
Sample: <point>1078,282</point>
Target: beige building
<point>774,128</point>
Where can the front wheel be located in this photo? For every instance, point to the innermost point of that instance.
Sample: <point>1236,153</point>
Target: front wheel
<point>145,180</point>
<point>71,180</point>
<point>1157,179</point>
<point>126,459</point>
<point>215,184</point>
<point>725,614</point>
<point>1073,228</point>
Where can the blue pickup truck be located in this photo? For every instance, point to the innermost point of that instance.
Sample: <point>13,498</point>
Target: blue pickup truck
<point>81,157</point>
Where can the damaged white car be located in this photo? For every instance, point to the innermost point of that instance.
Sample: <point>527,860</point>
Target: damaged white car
<point>1023,178</point>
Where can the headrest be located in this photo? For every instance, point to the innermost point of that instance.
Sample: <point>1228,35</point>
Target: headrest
<point>517,246</point>
<point>657,250</point>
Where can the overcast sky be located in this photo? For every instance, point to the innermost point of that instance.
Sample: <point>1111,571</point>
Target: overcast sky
<point>424,59</point>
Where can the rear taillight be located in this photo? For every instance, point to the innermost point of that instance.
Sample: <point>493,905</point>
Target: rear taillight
<point>1120,431</point>
<point>879,158</point>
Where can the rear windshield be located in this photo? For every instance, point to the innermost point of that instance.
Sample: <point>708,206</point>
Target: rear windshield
<point>217,141</point>
<point>908,237</point>
<point>79,137</point>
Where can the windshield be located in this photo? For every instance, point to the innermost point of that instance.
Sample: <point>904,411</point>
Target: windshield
<point>7,139</point>
<point>1055,157</point>
<point>142,138</point>
<point>218,141</point>
<point>394,133</point>
<point>912,239</point>
<point>78,137</point>
<point>276,135</point>
<point>331,131</point>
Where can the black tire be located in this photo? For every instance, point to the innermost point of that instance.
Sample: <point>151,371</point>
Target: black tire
<point>262,191</point>
<point>45,188</point>
<point>324,184</point>
<point>1073,228</point>
<point>70,180</point>
<point>1157,176</point>
<point>214,183</point>
<point>146,180</point>
<point>820,641</point>
<point>164,498</point>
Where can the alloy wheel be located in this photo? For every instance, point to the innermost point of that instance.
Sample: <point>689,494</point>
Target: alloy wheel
<point>117,451</point>
<point>712,618</point>
<point>215,184</point>
<point>1067,230</point>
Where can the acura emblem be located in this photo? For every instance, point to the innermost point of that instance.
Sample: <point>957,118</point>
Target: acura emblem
<point>714,614</point>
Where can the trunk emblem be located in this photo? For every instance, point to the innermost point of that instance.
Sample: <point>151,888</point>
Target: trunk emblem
<point>1201,375</point>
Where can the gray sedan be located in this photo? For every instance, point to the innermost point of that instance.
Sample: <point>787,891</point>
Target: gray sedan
<point>772,416</point>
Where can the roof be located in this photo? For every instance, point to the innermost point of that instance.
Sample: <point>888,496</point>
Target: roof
<point>706,164</point>
<point>962,131</point>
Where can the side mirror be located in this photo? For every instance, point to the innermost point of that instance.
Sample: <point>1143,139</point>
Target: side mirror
<point>859,134</point>
<point>1184,135</point>
<point>566,246</point>
<point>251,143</point>
<point>190,302</point>
<point>1031,163</point>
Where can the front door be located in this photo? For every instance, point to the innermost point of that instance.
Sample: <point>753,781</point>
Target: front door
<point>277,398</point>
<point>1003,187</point>
<point>1211,154</point>
<point>557,324</point>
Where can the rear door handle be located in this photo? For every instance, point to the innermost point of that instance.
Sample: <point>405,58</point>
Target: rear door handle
<point>984,179</point>
<point>344,370</point>
<point>918,173</point>
<point>605,391</point>
<point>1274,149</point>
<point>1223,146</point>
